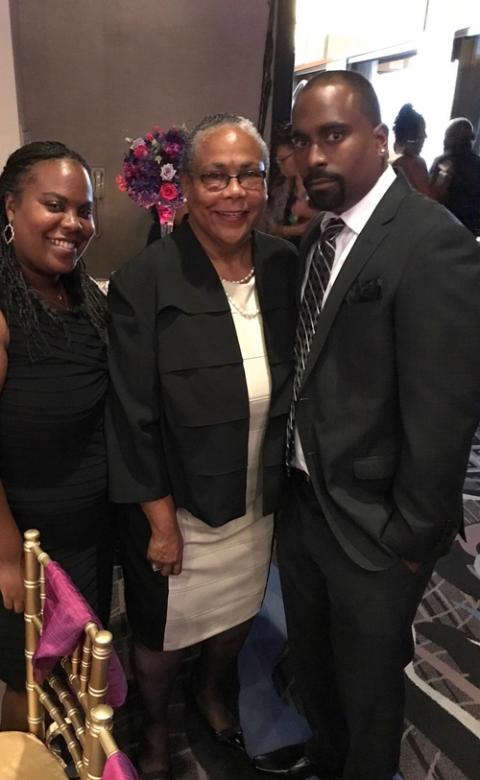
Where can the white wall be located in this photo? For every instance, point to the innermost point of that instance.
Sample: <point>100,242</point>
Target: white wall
<point>9,130</point>
<point>333,33</point>
<point>346,28</point>
<point>349,28</point>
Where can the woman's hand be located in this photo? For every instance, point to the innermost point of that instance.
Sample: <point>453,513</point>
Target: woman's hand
<point>11,559</point>
<point>11,585</point>
<point>165,549</point>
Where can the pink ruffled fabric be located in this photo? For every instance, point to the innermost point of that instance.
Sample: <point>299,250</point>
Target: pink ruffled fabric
<point>119,767</point>
<point>65,615</point>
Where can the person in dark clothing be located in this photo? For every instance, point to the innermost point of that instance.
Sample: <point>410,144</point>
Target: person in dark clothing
<point>201,351</point>
<point>455,175</point>
<point>53,381</point>
<point>385,404</point>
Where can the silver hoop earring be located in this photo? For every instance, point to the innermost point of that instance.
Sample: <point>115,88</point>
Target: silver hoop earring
<point>8,233</point>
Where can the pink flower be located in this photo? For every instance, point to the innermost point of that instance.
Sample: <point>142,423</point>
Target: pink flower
<point>121,183</point>
<point>140,151</point>
<point>168,191</point>
<point>165,214</point>
<point>149,137</point>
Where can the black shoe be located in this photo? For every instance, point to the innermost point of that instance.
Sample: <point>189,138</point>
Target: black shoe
<point>232,737</point>
<point>289,761</point>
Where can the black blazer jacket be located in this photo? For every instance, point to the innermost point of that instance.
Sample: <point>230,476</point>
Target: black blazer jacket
<point>178,412</point>
<point>391,391</point>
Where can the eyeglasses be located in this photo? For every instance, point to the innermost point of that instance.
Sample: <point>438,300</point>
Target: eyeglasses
<point>279,160</point>
<point>217,181</point>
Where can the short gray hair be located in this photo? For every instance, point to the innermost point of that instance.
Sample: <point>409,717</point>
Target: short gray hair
<point>211,122</point>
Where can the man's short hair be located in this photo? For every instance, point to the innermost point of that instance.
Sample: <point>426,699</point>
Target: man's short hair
<point>364,92</point>
<point>459,135</point>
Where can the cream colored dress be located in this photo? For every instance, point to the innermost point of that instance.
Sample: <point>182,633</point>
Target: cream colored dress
<point>225,569</point>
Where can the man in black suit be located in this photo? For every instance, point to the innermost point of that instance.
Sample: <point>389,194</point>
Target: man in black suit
<point>387,398</point>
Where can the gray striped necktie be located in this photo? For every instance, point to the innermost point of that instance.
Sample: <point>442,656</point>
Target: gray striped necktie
<point>318,276</point>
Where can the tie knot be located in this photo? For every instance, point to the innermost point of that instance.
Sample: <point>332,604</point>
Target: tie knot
<point>331,229</point>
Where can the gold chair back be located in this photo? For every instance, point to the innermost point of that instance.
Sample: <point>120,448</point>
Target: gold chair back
<point>68,696</point>
<point>102,743</point>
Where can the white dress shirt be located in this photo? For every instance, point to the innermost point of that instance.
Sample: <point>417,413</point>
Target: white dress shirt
<point>355,220</point>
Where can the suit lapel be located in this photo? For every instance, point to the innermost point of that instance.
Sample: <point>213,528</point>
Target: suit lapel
<point>372,235</point>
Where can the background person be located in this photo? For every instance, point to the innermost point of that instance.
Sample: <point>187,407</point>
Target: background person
<point>455,175</point>
<point>202,330</point>
<point>287,213</point>
<point>410,135</point>
<point>53,378</point>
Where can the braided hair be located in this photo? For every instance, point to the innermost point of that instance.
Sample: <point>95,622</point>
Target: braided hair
<point>16,299</point>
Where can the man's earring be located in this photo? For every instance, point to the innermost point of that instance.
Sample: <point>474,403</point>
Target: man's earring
<point>8,233</point>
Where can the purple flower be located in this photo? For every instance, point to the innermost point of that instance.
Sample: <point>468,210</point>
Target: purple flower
<point>172,149</point>
<point>151,164</point>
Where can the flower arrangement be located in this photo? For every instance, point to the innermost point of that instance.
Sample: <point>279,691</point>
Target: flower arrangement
<point>151,171</point>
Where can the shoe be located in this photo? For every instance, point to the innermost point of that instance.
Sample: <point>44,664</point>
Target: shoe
<point>289,761</point>
<point>232,737</point>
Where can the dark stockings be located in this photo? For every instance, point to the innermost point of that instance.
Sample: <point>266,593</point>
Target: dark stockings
<point>215,681</point>
<point>156,672</point>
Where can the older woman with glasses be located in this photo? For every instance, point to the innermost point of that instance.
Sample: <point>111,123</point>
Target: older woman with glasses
<point>202,327</point>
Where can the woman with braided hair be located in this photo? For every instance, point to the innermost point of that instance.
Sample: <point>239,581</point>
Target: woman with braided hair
<point>53,380</point>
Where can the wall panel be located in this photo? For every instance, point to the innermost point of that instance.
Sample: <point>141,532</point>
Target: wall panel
<point>91,73</point>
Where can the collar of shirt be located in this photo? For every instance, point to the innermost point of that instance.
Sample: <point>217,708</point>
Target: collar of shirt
<point>355,220</point>
<point>358,215</point>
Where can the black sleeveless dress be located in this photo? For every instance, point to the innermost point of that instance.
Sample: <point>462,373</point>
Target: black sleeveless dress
<point>53,462</point>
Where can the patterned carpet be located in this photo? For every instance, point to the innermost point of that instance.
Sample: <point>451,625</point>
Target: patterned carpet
<point>442,736</point>
<point>442,731</point>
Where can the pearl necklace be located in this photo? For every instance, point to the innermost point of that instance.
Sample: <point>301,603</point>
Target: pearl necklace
<point>243,280</point>
<point>248,314</point>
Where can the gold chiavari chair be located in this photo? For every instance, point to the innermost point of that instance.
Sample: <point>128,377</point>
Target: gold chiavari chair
<point>61,706</point>
<point>106,759</point>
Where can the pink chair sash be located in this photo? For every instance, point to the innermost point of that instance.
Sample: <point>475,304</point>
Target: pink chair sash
<point>65,616</point>
<point>119,767</point>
